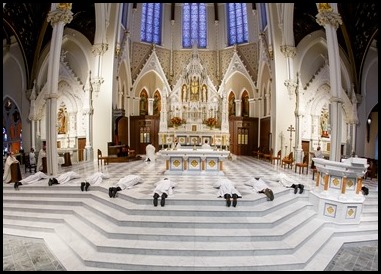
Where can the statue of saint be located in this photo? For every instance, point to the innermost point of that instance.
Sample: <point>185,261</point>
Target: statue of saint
<point>204,93</point>
<point>184,93</point>
<point>194,89</point>
<point>61,121</point>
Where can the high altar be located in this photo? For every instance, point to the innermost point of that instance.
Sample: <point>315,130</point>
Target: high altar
<point>192,102</point>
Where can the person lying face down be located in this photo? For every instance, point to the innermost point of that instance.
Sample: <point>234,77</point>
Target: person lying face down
<point>124,183</point>
<point>31,179</point>
<point>163,188</point>
<point>261,186</point>
<point>283,180</point>
<point>226,189</point>
<point>94,179</point>
<point>64,178</point>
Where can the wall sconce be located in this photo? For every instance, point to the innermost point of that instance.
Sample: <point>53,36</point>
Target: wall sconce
<point>369,121</point>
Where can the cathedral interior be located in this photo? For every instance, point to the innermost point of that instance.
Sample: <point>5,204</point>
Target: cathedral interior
<point>91,80</point>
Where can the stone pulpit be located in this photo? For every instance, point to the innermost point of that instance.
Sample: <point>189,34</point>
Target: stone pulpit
<point>337,193</point>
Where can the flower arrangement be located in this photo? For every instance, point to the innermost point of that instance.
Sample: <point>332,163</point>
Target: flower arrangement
<point>211,122</point>
<point>177,121</point>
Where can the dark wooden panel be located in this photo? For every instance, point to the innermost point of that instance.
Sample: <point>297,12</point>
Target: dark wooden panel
<point>243,134</point>
<point>144,129</point>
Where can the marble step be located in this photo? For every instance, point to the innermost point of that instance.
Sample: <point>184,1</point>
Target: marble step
<point>244,207</point>
<point>139,198</point>
<point>173,217</point>
<point>202,262</point>
<point>218,232</point>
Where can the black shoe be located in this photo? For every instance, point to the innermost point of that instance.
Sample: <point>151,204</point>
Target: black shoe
<point>228,202</point>
<point>82,186</point>
<point>50,182</point>
<point>162,201</point>
<point>109,191</point>
<point>301,187</point>
<point>16,185</point>
<point>55,182</point>
<point>155,201</point>
<point>235,196</point>
<point>87,186</point>
<point>296,189</point>
<point>114,191</point>
<point>365,190</point>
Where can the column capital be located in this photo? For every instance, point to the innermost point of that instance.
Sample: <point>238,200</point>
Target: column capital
<point>291,86</point>
<point>328,17</point>
<point>288,51</point>
<point>62,13</point>
<point>336,99</point>
<point>99,49</point>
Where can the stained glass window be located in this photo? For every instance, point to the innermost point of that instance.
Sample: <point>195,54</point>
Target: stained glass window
<point>194,25</point>
<point>124,15</point>
<point>238,32</point>
<point>12,127</point>
<point>263,16</point>
<point>151,23</point>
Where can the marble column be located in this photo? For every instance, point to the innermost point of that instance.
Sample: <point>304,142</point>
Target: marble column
<point>330,20</point>
<point>59,15</point>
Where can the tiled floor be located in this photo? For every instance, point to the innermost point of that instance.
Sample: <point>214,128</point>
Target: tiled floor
<point>29,254</point>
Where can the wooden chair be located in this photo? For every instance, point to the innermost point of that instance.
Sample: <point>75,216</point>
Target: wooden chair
<point>28,165</point>
<point>277,158</point>
<point>44,165</point>
<point>103,159</point>
<point>15,172</point>
<point>269,155</point>
<point>261,152</point>
<point>256,152</point>
<point>288,160</point>
<point>303,165</point>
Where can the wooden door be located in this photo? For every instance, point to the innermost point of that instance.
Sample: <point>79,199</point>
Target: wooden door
<point>81,149</point>
<point>122,130</point>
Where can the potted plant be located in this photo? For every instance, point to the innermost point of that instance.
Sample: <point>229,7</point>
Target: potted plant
<point>211,122</point>
<point>176,121</point>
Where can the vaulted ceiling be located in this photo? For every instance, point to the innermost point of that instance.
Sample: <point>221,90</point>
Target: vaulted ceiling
<point>27,23</point>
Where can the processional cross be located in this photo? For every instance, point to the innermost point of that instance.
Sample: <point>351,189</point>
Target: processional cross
<point>291,129</point>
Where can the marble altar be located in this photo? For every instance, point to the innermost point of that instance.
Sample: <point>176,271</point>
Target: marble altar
<point>194,160</point>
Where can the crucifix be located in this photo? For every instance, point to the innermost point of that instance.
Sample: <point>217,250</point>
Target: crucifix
<point>291,129</point>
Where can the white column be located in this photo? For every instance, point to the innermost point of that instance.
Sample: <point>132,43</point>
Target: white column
<point>59,15</point>
<point>150,106</point>
<point>331,20</point>
<point>238,108</point>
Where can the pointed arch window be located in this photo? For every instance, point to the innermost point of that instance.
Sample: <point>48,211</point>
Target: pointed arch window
<point>151,23</point>
<point>194,25</point>
<point>12,127</point>
<point>238,31</point>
